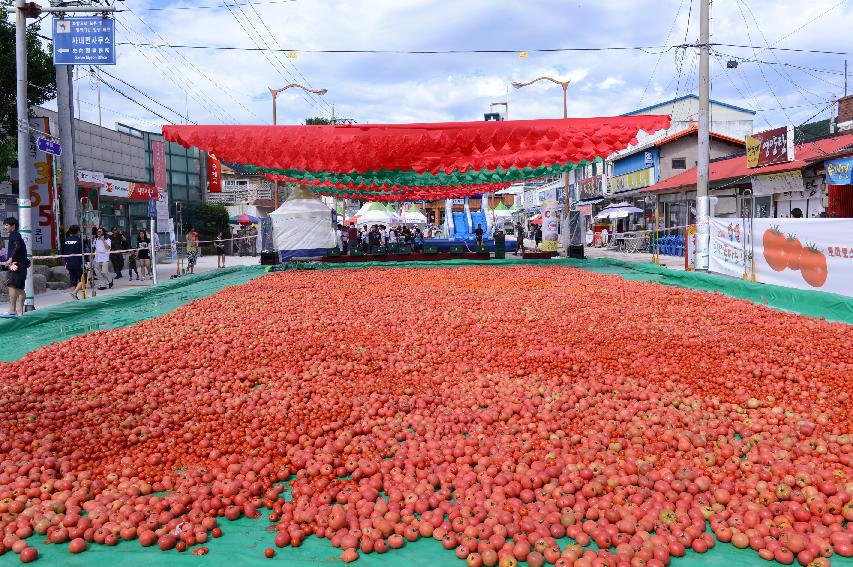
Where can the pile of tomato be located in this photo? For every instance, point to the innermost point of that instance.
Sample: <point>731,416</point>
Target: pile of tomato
<point>496,410</point>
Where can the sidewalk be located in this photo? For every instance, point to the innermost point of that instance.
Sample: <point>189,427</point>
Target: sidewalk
<point>164,272</point>
<point>671,262</point>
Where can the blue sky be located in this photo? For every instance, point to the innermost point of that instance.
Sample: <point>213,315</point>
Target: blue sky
<point>230,87</point>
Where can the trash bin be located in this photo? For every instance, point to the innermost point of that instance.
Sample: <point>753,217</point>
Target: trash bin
<point>500,244</point>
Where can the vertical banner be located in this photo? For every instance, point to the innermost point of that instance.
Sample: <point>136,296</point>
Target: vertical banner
<point>44,237</point>
<point>690,248</point>
<point>728,252</point>
<point>550,225</point>
<point>158,161</point>
<point>814,254</point>
<point>214,174</point>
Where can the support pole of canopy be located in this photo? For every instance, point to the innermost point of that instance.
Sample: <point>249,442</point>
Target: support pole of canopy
<point>703,229</point>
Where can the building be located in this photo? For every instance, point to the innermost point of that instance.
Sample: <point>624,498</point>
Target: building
<point>657,161</point>
<point>795,188</point>
<point>244,192</point>
<point>726,119</point>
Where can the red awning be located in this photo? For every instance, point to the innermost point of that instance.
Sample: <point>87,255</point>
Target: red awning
<point>735,168</point>
<point>422,148</point>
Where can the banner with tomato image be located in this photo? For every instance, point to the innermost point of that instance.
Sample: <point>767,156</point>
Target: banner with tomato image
<point>815,254</point>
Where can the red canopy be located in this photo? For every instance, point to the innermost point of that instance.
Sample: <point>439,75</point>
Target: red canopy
<point>422,148</point>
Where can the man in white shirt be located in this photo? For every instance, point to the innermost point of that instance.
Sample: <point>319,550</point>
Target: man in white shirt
<point>103,245</point>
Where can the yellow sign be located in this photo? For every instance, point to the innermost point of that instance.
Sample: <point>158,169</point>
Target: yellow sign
<point>292,54</point>
<point>753,151</point>
<point>634,180</point>
<point>523,54</point>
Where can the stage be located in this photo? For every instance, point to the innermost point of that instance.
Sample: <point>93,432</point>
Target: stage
<point>470,244</point>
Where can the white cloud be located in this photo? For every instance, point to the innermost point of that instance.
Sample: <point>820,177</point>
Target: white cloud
<point>231,86</point>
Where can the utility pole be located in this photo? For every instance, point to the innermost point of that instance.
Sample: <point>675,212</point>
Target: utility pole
<point>65,114</point>
<point>22,107</point>
<point>703,231</point>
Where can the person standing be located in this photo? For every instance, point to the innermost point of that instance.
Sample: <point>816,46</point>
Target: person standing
<point>17,264</point>
<point>253,240</point>
<point>103,245</point>
<point>479,233</point>
<point>219,246</point>
<point>519,238</point>
<point>143,243</point>
<point>192,250</point>
<point>537,236</point>
<point>119,243</point>
<point>72,246</point>
<point>353,239</point>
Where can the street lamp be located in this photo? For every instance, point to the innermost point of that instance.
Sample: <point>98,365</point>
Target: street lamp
<point>565,85</point>
<point>274,93</point>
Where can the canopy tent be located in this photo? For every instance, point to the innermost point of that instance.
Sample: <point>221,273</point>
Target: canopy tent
<point>417,157</point>
<point>536,219</point>
<point>502,211</point>
<point>618,211</point>
<point>375,213</point>
<point>412,215</point>
<point>302,226</point>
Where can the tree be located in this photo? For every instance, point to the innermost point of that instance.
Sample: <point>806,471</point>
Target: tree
<point>211,220</point>
<point>318,121</point>
<point>41,77</point>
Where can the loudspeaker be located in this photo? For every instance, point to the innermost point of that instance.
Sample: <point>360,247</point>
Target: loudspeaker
<point>269,258</point>
<point>576,252</point>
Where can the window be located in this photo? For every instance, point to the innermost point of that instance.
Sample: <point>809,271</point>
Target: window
<point>679,163</point>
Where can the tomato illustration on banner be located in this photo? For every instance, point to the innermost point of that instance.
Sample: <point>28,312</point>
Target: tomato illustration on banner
<point>805,253</point>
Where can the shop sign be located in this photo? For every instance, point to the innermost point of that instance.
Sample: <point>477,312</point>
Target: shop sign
<point>214,175</point>
<point>93,177</point>
<point>633,180</point>
<point>649,159</point>
<point>142,191</point>
<point>838,171</point>
<point>158,159</point>
<point>770,147</point>
<point>115,188</point>
<point>764,185</point>
<point>590,188</point>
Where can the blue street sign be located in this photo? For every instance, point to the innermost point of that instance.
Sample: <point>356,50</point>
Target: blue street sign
<point>152,208</point>
<point>84,41</point>
<point>48,146</point>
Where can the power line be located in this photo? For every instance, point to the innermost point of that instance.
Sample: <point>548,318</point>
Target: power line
<point>99,70</point>
<point>644,49</point>
<point>134,101</point>
<point>274,59</point>
<point>660,56</point>
<point>213,6</point>
<point>292,64</point>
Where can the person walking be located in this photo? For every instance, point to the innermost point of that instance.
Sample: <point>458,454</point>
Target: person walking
<point>72,246</point>
<point>479,234</point>
<point>103,245</point>
<point>143,258</point>
<point>17,263</point>
<point>537,236</point>
<point>219,246</point>
<point>192,249</point>
<point>119,243</point>
<point>353,238</point>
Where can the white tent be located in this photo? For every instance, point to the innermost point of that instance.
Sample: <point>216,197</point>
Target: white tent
<point>302,226</point>
<point>502,211</point>
<point>413,216</point>
<point>375,213</point>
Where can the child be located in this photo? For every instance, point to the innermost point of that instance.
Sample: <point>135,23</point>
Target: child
<point>131,266</point>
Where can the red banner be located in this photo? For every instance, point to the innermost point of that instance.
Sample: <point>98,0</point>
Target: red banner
<point>214,175</point>
<point>770,147</point>
<point>142,192</point>
<point>158,160</point>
